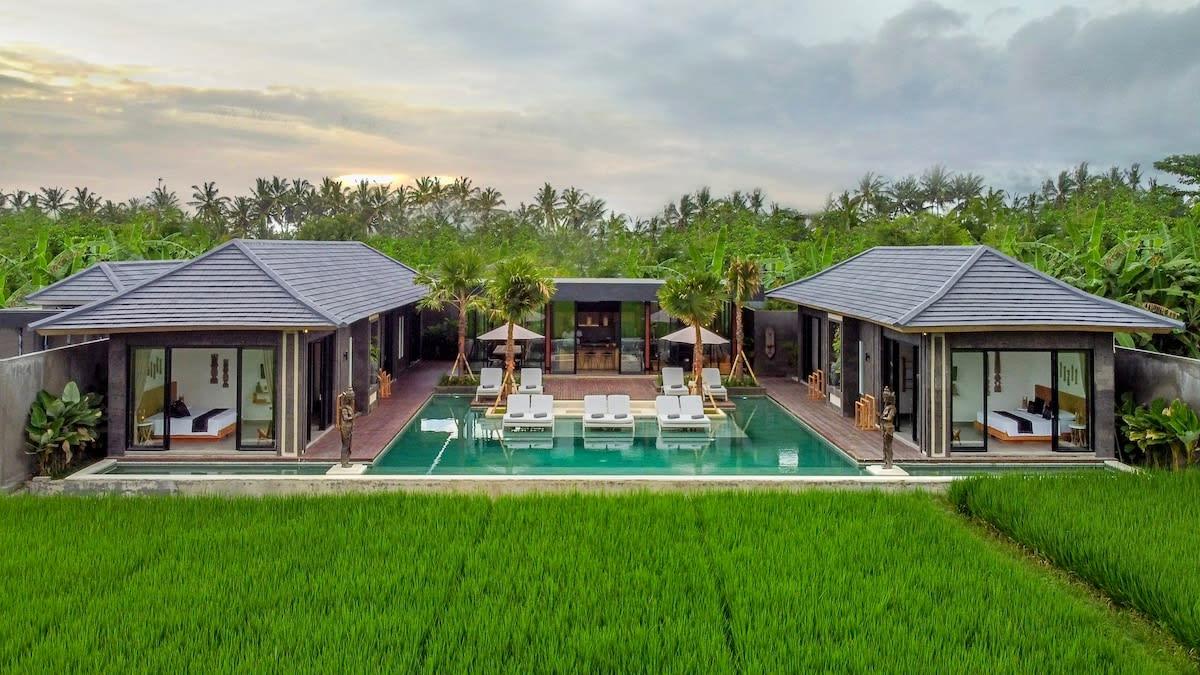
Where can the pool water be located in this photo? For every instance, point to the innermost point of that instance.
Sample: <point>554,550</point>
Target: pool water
<point>447,437</point>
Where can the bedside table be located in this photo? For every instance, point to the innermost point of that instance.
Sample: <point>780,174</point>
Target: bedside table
<point>143,433</point>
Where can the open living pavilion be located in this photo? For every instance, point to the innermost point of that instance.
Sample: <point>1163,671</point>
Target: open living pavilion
<point>241,352</point>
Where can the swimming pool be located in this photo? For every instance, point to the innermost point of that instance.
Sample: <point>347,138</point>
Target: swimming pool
<point>447,437</point>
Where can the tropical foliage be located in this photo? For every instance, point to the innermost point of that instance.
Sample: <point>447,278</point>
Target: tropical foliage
<point>743,278</point>
<point>694,297</point>
<point>1160,434</point>
<point>516,287</point>
<point>456,279</point>
<point>61,427</point>
<point>1115,233</point>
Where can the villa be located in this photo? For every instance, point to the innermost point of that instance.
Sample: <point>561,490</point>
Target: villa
<point>243,350</point>
<point>983,353</point>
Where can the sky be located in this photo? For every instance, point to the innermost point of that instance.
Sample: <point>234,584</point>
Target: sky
<point>636,103</point>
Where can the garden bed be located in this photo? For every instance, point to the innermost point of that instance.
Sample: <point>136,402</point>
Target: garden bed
<point>703,583</point>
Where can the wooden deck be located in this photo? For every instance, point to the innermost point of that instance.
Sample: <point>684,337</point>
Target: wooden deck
<point>863,446</point>
<point>373,432</point>
<point>575,387</point>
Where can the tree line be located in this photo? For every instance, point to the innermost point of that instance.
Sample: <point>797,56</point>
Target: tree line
<point>1115,233</point>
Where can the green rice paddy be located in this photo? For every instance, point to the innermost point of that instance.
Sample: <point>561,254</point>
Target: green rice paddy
<point>711,582</point>
<point>1134,536</point>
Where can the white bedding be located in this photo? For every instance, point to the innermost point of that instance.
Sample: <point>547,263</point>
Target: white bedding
<point>1041,426</point>
<point>182,426</point>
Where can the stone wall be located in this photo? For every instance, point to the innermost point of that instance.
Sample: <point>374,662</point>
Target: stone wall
<point>783,362</point>
<point>1150,375</point>
<point>22,377</point>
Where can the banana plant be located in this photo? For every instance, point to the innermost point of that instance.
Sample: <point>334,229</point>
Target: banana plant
<point>61,427</point>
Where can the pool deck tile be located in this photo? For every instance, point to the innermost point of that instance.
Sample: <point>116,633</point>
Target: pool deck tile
<point>373,432</point>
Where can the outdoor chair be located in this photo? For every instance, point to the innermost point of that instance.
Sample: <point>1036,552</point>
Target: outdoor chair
<point>673,381</point>
<point>489,382</point>
<point>712,384</point>
<point>531,381</point>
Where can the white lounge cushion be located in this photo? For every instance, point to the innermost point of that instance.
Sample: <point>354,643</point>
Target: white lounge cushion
<point>489,381</point>
<point>673,381</point>
<point>618,408</point>
<point>531,381</point>
<point>712,383</point>
<point>595,407</point>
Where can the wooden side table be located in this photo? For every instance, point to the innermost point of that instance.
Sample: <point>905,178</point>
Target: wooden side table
<point>143,433</point>
<point>1079,435</point>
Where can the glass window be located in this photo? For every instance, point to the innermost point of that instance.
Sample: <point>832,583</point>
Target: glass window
<point>375,352</point>
<point>148,394</point>
<point>1073,390</point>
<point>968,376</point>
<point>400,338</point>
<point>835,358</point>
<point>535,350</point>
<point>633,337</point>
<point>258,398</point>
<point>562,338</point>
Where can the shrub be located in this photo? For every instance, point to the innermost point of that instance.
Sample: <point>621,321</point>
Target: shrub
<point>459,381</point>
<point>1160,430</point>
<point>61,427</point>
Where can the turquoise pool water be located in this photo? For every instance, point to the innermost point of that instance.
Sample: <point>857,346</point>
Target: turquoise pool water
<point>759,438</point>
<point>218,468</point>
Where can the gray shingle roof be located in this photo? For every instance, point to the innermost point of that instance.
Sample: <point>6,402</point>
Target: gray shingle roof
<point>927,287</point>
<point>98,281</point>
<point>254,284</point>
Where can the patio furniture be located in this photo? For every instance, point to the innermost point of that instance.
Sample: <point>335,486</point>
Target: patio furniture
<point>712,384</point>
<point>612,412</point>
<point>527,411</point>
<point>489,382</point>
<point>385,384</point>
<point>681,412</point>
<point>673,381</point>
<point>531,381</point>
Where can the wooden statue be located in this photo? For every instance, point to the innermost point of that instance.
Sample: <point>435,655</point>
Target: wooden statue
<point>887,425</point>
<point>345,422</point>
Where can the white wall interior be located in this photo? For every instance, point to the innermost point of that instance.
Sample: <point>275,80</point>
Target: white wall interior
<point>191,370</point>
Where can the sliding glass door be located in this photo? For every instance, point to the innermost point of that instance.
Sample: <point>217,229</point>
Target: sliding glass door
<point>201,398</point>
<point>1020,401</point>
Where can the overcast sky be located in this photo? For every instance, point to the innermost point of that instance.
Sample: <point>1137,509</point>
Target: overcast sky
<point>633,102</point>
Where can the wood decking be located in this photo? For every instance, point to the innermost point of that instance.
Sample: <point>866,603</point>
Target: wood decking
<point>372,433</point>
<point>863,446</point>
<point>575,387</point>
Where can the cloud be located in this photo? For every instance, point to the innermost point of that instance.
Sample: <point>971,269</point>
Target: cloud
<point>634,105</point>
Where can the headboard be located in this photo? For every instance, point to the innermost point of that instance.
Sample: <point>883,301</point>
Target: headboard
<point>1076,405</point>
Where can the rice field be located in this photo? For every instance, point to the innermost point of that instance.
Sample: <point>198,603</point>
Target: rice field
<point>716,582</point>
<point>1134,536</point>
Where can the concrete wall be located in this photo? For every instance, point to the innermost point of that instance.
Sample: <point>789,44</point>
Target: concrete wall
<point>22,377</point>
<point>1150,375</point>
<point>783,362</point>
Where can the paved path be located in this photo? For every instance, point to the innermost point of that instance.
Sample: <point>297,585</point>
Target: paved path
<point>575,387</point>
<point>373,432</point>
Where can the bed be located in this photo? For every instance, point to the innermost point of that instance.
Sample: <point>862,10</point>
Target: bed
<point>203,425</point>
<point>1007,425</point>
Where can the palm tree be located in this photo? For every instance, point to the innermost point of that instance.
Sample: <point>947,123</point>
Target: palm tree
<point>743,276</point>
<point>757,200</point>
<point>548,202</point>
<point>53,200</point>
<point>935,183</point>
<point>456,280</point>
<point>517,286</point>
<point>907,195</point>
<point>486,203</point>
<point>209,203</point>
<point>872,192</point>
<point>162,199</point>
<point>85,202</point>
<point>695,298</point>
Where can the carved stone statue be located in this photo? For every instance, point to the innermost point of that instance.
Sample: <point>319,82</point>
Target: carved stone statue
<point>345,422</point>
<point>887,425</point>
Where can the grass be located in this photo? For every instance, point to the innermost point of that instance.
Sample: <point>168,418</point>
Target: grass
<point>716,582</point>
<point>1134,536</point>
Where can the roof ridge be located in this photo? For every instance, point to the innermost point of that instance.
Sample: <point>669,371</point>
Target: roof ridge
<point>112,276</point>
<point>827,269</point>
<point>945,287</point>
<point>288,288</point>
<point>1079,291</point>
<point>122,293</point>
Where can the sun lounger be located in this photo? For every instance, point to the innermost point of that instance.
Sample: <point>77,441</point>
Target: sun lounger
<point>538,415</point>
<point>531,381</point>
<point>619,414</point>
<point>673,382</point>
<point>516,410</point>
<point>489,382</point>
<point>681,412</point>
<point>712,384</point>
